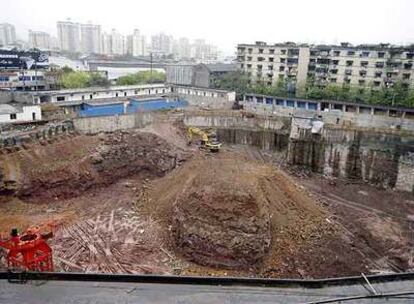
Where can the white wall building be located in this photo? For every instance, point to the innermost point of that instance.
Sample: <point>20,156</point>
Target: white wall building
<point>117,43</point>
<point>69,36</point>
<point>17,113</point>
<point>162,44</point>
<point>91,38</point>
<point>7,34</point>
<point>137,44</point>
<point>39,40</point>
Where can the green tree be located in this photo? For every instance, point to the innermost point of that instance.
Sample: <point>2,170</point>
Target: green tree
<point>233,81</point>
<point>142,78</point>
<point>74,80</point>
<point>97,80</point>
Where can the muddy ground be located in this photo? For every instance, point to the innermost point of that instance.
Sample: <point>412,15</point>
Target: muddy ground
<point>118,203</point>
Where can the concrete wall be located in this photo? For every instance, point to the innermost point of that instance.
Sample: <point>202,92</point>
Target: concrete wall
<point>93,125</point>
<point>235,121</point>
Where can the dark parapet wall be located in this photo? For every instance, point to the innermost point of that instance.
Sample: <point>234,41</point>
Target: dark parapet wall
<point>263,139</point>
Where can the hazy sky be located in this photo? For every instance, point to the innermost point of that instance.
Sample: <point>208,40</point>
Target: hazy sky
<point>225,22</point>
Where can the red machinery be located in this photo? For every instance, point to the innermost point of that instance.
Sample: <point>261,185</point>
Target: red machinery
<point>29,251</point>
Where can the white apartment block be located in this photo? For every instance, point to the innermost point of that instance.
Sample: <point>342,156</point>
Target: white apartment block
<point>39,40</point>
<point>7,34</point>
<point>137,44</point>
<point>91,38</point>
<point>362,66</point>
<point>69,36</point>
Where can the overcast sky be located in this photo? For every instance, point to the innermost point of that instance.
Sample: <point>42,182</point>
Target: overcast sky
<point>225,22</point>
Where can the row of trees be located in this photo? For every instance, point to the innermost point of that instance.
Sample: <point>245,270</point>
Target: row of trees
<point>69,79</point>
<point>397,94</point>
<point>142,78</point>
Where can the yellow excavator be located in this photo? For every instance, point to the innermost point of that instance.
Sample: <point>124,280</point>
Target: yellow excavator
<point>208,139</point>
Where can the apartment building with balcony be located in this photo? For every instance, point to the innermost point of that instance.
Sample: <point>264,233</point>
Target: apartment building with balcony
<point>360,66</point>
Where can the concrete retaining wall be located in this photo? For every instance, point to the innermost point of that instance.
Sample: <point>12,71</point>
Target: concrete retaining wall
<point>93,125</point>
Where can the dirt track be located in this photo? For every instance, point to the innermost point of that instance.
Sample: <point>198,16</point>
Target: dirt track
<point>123,216</point>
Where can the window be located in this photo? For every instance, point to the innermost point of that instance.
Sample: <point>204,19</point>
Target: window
<point>335,62</point>
<point>349,63</point>
<point>365,54</point>
<point>350,53</point>
<point>259,66</point>
<point>377,83</point>
<point>282,60</point>
<point>250,50</point>
<point>270,67</point>
<point>378,74</point>
<point>259,99</point>
<point>410,56</point>
<point>249,58</point>
<point>4,78</point>
<point>290,103</point>
<point>260,59</point>
<point>33,116</point>
<point>269,100</point>
<point>381,54</point>
<point>283,52</point>
<point>301,104</point>
<point>241,66</point>
<point>337,53</point>
<point>348,72</point>
<point>60,98</point>
<point>13,116</point>
<point>281,68</point>
<point>362,73</point>
<point>280,102</point>
<point>361,81</point>
<point>116,94</point>
<point>260,51</point>
<point>271,59</point>
<point>334,71</point>
<point>406,76</point>
<point>379,64</point>
<point>249,66</point>
<point>333,80</point>
<point>364,63</point>
<point>271,51</point>
<point>125,93</point>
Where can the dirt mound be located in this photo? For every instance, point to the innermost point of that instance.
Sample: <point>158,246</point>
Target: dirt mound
<point>224,210</point>
<point>216,222</point>
<point>69,167</point>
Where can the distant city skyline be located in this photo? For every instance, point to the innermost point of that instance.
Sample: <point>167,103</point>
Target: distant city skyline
<point>226,23</point>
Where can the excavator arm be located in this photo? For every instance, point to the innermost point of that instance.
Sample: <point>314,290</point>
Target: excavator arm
<point>208,141</point>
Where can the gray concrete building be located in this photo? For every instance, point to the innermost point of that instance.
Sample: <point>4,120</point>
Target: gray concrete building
<point>361,66</point>
<point>91,38</point>
<point>39,40</point>
<point>200,75</point>
<point>7,34</point>
<point>69,36</point>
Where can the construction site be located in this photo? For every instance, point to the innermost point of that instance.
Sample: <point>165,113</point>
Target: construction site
<point>254,201</point>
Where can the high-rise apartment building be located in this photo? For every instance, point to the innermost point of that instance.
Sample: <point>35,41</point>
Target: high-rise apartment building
<point>39,40</point>
<point>90,38</point>
<point>117,43</point>
<point>162,44</point>
<point>137,44</point>
<point>69,36</point>
<point>361,66</point>
<point>7,34</point>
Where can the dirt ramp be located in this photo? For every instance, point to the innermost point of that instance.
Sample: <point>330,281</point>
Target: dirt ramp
<point>219,223</point>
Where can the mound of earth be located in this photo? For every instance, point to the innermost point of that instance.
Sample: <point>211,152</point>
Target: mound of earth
<point>229,212</point>
<point>70,166</point>
<point>221,223</point>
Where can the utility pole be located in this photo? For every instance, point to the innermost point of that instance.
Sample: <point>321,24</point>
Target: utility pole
<point>151,68</point>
